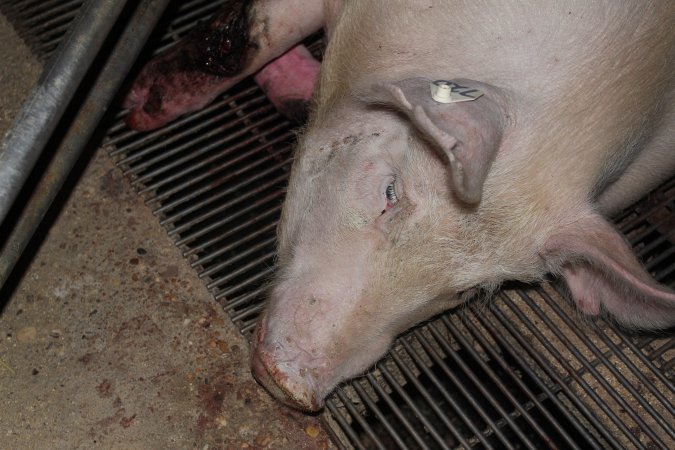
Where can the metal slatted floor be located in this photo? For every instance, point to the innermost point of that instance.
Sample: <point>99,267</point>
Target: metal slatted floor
<point>522,370</point>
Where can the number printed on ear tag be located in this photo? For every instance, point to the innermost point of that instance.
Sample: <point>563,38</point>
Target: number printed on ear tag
<point>444,91</point>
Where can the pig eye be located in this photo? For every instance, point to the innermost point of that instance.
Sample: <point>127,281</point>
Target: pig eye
<point>390,193</point>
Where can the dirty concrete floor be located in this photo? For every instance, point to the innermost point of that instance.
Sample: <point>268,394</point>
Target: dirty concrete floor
<point>111,341</point>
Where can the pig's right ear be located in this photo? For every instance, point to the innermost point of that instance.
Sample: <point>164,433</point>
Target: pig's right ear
<point>467,132</point>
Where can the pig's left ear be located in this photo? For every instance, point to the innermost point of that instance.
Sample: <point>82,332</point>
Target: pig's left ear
<point>601,271</point>
<point>468,132</point>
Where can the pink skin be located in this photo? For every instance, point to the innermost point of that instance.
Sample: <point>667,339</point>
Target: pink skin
<point>289,81</point>
<point>209,61</point>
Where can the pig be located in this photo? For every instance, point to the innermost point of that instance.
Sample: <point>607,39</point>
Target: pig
<point>451,146</point>
<point>402,205</point>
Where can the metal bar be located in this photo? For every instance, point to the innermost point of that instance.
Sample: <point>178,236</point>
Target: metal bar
<point>506,416</point>
<point>194,13</point>
<point>249,327</point>
<point>499,359</point>
<point>434,406</point>
<point>253,234</point>
<point>262,245</point>
<point>410,376</point>
<point>229,177</point>
<point>48,14</point>
<point>195,221</point>
<point>665,272</point>
<point>242,269</point>
<point>458,362</point>
<point>46,104</point>
<point>67,17</point>
<point>545,365</point>
<point>659,352</point>
<point>262,273</point>
<point>95,105</point>
<point>619,376</point>
<point>668,426</point>
<point>163,144</point>
<point>196,178</point>
<point>393,406</point>
<point>610,367</point>
<point>343,423</point>
<point>369,403</point>
<point>565,364</point>
<point>239,301</point>
<point>507,347</point>
<point>253,309</point>
<point>199,232</point>
<point>141,139</point>
<point>457,408</point>
<point>269,242</point>
<point>37,7</point>
<point>196,142</point>
<point>201,261</point>
<point>220,194</point>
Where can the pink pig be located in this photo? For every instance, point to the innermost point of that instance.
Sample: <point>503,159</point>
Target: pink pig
<point>401,206</point>
<point>404,202</point>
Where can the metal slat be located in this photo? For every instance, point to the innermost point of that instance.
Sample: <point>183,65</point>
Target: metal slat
<point>495,356</point>
<point>571,371</point>
<point>446,396</point>
<point>549,394</point>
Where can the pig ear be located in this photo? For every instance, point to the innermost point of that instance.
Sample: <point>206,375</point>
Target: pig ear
<point>602,272</point>
<point>467,132</point>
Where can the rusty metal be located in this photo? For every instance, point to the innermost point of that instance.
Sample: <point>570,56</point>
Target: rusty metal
<point>521,371</point>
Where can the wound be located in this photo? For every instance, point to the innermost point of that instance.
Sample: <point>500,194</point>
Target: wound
<point>224,45</point>
<point>153,103</point>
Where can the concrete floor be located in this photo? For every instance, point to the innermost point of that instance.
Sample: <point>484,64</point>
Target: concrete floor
<point>111,341</point>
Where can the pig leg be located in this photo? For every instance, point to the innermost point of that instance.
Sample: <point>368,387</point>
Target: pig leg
<point>289,82</point>
<point>234,44</point>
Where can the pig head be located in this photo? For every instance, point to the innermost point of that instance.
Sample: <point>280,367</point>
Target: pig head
<point>400,206</point>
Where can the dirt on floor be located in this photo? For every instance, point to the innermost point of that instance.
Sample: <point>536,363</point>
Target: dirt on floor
<point>111,341</point>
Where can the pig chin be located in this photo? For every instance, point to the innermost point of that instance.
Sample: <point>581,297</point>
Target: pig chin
<point>301,380</point>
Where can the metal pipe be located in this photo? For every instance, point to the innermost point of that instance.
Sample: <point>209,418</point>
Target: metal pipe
<point>95,105</point>
<point>46,104</point>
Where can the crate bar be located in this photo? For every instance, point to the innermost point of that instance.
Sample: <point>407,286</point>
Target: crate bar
<point>90,113</point>
<point>46,104</point>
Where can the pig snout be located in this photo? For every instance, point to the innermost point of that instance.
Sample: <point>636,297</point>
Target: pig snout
<point>279,372</point>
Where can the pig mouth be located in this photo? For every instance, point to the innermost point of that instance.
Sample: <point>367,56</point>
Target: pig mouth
<point>294,391</point>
